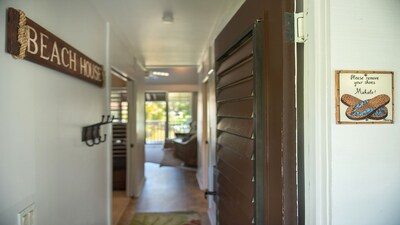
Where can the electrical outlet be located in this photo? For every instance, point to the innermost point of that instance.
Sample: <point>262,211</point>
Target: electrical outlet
<point>26,216</point>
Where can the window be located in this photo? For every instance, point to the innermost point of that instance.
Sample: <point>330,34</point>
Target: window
<point>168,114</point>
<point>119,105</point>
<point>179,113</point>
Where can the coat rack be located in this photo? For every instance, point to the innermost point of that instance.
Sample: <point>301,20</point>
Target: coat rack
<point>91,134</point>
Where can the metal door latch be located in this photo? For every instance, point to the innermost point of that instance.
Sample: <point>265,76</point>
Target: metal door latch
<point>299,27</point>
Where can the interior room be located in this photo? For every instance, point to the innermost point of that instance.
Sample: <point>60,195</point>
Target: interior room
<point>200,112</point>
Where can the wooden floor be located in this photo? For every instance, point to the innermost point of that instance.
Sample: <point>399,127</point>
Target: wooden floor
<point>153,153</point>
<point>119,203</point>
<point>168,189</point>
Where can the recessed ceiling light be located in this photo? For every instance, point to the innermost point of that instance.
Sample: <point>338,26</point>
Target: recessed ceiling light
<point>168,17</point>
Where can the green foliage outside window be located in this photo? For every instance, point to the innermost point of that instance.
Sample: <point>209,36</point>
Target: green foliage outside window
<point>179,116</point>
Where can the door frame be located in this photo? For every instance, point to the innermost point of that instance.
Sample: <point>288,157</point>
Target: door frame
<point>202,176</point>
<point>318,113</point>
<point>132,188</point>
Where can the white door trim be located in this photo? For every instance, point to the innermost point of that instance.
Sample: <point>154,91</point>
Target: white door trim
<point>133,189</point>
<point>202,171</point>
<point>212,139</point>
<point>109,130</point>
<point>318,113</point>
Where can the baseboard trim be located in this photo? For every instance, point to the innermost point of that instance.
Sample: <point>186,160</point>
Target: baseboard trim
<point>140,189</point>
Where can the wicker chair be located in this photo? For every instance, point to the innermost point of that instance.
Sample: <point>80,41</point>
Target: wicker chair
<point>185,146</point>
<point>186,150</point>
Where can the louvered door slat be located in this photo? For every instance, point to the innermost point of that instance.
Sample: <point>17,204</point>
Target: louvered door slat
<point>235,126</point>
<point>246,205</point>
<point>243,184</point>
<point>239,162</point>
<point>241,127</point>
<point>238,109</point>
<point>237,73</point>
<point>243,89</point>
<point>242,53</point>
<point>242,146</point>
<point>232,216</point>
<point>237,206</point>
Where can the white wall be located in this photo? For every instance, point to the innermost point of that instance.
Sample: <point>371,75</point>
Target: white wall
<point>122,59</point>
<point>207,153</point>
<point>365,35</point>
<point>42,159</point>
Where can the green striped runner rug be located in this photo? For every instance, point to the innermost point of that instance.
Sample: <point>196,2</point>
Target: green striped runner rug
<point>167,218</point>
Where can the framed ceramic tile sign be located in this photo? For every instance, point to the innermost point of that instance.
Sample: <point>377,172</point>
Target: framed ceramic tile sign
<point>364,97</point>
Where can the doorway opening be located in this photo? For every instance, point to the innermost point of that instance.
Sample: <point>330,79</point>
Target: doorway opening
<point>170,124</point>
<point>156,117</point>
<point>168,114</point>
<point>119,110</point>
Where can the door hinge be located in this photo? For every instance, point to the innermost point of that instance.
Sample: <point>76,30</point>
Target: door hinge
<point>299,28</point>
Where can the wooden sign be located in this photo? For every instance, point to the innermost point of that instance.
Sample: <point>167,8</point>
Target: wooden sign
<point>364,97</point>
<point>28,40</point>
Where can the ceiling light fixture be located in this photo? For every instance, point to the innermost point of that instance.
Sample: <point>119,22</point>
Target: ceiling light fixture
<point>211,71</point>
<point>168,17</point>
<point>158,73</point>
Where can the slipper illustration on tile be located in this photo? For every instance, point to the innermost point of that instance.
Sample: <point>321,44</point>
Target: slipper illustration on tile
<point>367,107</point>
<point>351,101</point>
<point>379,114</point>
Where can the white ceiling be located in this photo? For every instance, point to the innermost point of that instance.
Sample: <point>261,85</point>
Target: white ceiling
<point>157,44</point>
<point>177,75</point>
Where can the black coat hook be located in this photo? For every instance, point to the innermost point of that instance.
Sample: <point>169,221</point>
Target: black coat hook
<point>96,142</point>
<point>91,134</point>
<point>90,145</point>
<point>106,121</point>
<point>103,140</point>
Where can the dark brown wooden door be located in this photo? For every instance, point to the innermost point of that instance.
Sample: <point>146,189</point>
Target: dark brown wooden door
<point>236,93</point>
<point>256,174</point>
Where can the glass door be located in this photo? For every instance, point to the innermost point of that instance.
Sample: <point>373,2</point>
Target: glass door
<point>156,117</point>
<point>180,108</point>
<point>168,114</point>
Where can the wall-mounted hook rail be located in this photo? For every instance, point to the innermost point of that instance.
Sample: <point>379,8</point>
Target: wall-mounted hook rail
<point>91,134</point>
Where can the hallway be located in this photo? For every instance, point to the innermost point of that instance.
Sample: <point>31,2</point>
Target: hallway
<point>167,189</point>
